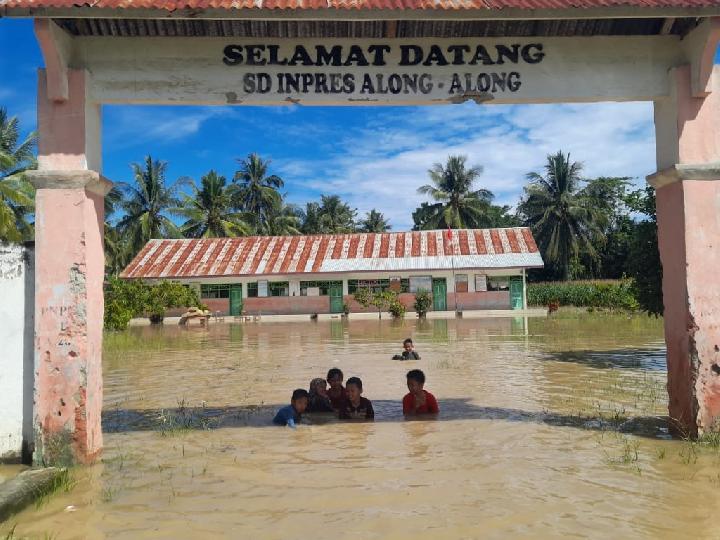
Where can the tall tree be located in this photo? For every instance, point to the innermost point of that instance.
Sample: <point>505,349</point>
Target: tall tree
<point>310,219</point>
<point>336,217</point>
<point>16,193</point>
<point>209,211</point>
<point>286,221</point>
<point>117,252</point>
<point>643,263</point>
<point>147,203</point>
<point>562,217</point>
<point>257,192</point>
<point>457,204</point>
<point>374,222</point>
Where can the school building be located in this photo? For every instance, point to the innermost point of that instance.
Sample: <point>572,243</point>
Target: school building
<point>278,275</point>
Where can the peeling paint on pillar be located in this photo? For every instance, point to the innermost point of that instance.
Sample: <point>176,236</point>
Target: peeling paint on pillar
<point>69,305</point>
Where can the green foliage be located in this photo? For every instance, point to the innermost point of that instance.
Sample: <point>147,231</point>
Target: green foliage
<point>146,205</point>
<point>381,300</point>
<point>127,299</point>
<point>596,294</point>
<point>396,309</point>
<point>256,192</point>
<point>423,301</point>
<point>16,194</point>
<point>456,203</point>
<point>374,222</point>
<point>564,219</point>
<point>644,263</point>
<point>209,211</point>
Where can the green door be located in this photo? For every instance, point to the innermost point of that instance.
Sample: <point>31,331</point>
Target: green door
<point>516,292</point>
<point>335,291</point>
<point>439,293</point>
<point>236,300</point>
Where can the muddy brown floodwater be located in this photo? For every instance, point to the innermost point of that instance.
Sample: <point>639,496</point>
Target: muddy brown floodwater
<point>549,430</point>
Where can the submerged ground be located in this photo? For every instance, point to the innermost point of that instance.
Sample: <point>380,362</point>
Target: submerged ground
<point>549,428</point>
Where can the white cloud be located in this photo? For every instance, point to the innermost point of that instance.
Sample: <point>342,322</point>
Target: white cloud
<point>130,126</point>
<point>382,164</point>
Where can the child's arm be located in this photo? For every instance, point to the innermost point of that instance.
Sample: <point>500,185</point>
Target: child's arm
<point>291,423</point>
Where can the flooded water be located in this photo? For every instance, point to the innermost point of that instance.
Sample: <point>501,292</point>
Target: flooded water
<point>549,428</point>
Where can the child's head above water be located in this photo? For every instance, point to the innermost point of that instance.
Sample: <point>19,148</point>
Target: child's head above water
<point>335,377</point>
<point>415,381</point>
<point>299,400</point>
<point>318,387</point>
<point>353,387</point>
<point>408,345</point>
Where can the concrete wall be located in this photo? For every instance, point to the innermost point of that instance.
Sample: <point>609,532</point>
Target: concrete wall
<point>17,290</point>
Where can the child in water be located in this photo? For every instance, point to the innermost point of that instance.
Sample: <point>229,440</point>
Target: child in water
<point>318,400</point>
<point>418,400</point>
<point>408,352</point>
<point>356,407</point>
<point>336,393</point>
<point>290,415</point>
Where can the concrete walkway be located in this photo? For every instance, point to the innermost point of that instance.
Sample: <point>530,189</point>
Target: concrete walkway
<point>468,314</point>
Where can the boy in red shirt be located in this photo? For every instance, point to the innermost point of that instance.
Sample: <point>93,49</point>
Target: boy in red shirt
<point>418,401</point>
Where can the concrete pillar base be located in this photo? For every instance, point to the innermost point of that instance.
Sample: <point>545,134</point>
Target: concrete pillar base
<point>688,211</point>
<point>69,315</point>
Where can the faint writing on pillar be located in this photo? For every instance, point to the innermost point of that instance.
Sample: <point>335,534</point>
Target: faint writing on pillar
<point>63,312</point>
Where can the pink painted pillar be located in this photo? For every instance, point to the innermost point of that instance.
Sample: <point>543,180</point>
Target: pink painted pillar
<point>69,275</point>
<point>688,211</point>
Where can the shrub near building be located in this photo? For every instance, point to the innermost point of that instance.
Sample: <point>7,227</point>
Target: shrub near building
<point>596,294</point>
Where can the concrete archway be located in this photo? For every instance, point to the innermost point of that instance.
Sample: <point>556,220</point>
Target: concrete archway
<point>338,53</point>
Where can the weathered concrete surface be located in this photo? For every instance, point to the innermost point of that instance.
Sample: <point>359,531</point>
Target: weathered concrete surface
<point>688,210</point>
<point>25,488</point>
<point>69,315</point>
<point>16,361</point>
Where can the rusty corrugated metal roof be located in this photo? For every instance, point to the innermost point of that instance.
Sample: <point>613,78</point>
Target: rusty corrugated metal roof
<point>490,5</point>
<point>363,252</point>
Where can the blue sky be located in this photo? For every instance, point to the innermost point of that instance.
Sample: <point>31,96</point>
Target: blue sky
<point>374,157</point>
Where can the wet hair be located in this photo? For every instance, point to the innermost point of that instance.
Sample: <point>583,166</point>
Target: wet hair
<point>408,340</point>
<point>354,380</point>
<point>335,371</point>
<point>416,375</point>
<point>299,393</point>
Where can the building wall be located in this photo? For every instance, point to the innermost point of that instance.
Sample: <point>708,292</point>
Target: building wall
<point>17,365</point>
<point>298,305</point>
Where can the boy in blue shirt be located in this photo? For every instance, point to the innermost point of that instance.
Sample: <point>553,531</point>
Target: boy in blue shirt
<point>290,414</point>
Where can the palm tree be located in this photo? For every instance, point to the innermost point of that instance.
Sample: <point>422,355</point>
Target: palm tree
<point>16,193</point>
<point>286,221</point>
<point>116,246</point>
<point>310,218</point>
<point>374,222</point>
<point>457,204</point>
<point>563,218</point>
<point>209,210</point>
<point>257,193</point>
<point>146,203</point>
<point>336,217</point>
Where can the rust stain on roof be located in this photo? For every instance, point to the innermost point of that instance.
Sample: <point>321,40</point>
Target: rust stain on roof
<point>283,255</point>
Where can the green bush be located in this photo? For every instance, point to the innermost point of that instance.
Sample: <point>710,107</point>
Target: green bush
<point>423,301</point>
<point>618,294</point>
<point>380,300</point>
<point>126,299</point>
<point>397,309</point>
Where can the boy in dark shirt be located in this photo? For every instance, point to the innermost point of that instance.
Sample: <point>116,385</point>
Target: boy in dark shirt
<point>356,407</point>
<point>408,352</point>
<point>418,400</point>
<point>290,415</point>
<point>336,393</point>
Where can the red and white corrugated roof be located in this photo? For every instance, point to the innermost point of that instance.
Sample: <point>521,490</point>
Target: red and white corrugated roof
<point>321,254</point>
